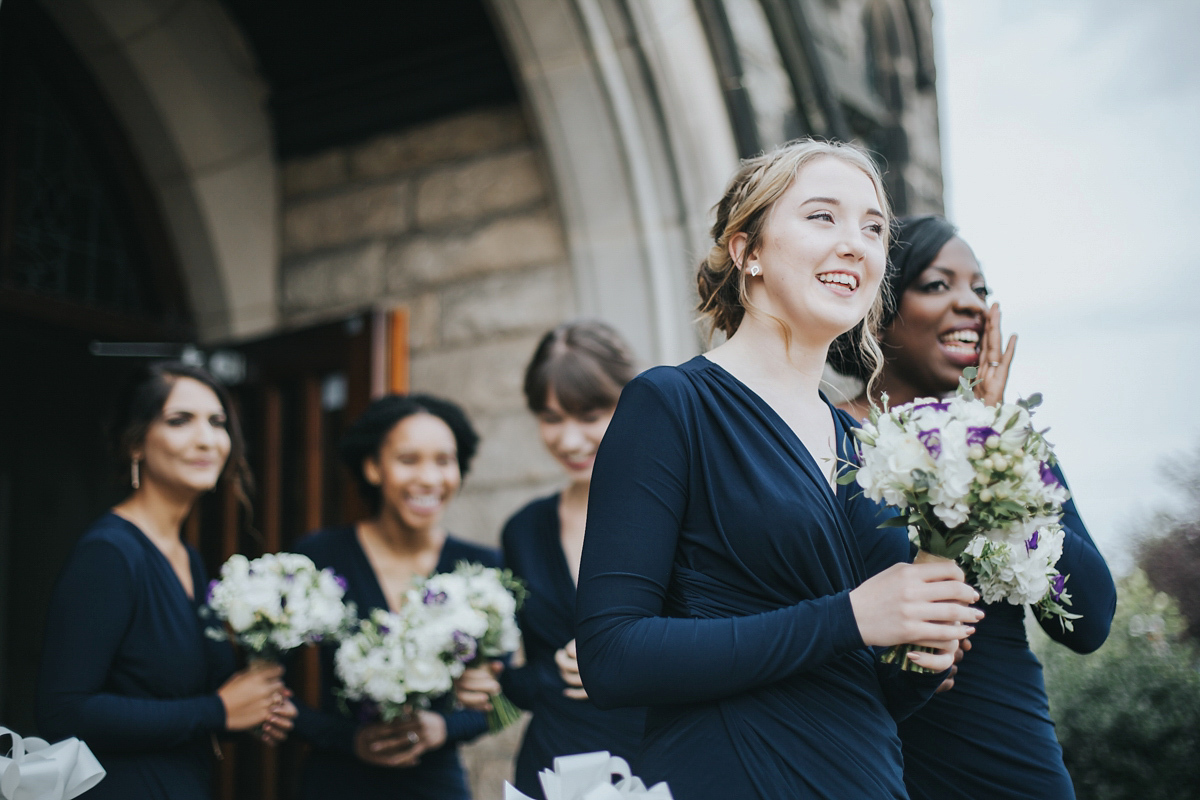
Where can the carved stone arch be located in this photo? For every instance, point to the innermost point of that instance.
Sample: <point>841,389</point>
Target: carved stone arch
<point>183,86</point>
<point>628,106</point>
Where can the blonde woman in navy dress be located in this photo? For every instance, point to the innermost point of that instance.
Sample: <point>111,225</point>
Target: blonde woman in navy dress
<point>727,582</point>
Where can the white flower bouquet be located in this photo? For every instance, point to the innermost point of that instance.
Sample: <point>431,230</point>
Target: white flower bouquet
<point>276,603</point>
<point>397,662</point>
<point>974,484</point>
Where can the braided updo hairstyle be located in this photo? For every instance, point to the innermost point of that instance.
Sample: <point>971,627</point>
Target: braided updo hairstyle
<point>745,208</point>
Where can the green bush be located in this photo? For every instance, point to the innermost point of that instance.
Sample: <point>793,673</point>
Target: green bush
<point>1128,716</point>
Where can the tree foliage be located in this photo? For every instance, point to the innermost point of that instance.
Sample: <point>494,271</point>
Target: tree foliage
<point>1169,550</point>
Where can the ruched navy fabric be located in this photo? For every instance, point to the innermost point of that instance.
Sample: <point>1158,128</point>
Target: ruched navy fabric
<point>127,668</point>
<point>992,735</point>
<point>332,769</point>
<point>560,725</point>
<point>714,589</point>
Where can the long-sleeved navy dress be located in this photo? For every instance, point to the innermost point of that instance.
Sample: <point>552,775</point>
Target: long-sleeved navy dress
<point>560,725</point>
<point>332,769</point>
<point>127,668</point>
<point>714,589</point>
<point>991,736</point>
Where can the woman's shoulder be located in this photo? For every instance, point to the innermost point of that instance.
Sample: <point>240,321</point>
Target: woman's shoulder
<point>456,549</point>
<point>326,544</point>
<point>112,540</point>
<point>531,517</point>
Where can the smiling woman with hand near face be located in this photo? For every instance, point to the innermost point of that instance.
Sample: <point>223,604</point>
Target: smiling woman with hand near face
<point>408,455</point>
<point>126,666</point>
<point>727,582</point>
<point>990,734</point>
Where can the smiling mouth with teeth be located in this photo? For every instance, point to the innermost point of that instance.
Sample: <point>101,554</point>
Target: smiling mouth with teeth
<point>425,501</point>
<point>966,341</point>
<point>840,278</point>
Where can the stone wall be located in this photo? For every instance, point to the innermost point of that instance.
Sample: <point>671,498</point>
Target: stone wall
<point>454,221</point>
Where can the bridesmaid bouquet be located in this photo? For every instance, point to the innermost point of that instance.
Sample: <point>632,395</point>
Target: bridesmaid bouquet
<point>449,621</point>
<point>973,483</point>
<point>276,603</point>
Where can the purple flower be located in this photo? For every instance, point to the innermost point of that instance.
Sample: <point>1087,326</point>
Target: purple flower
<point>1057,584</point>
<point>979,435</point>
<point>340,581</point>
<point>934,404</point>
<point>290,577</point>
<point>1032,544</point>
<point>1048,476</point>
<point>212,586</point>
<point>465,647</point>
<point>432,598</point>
<point>932,439</point>
<point>384,630</point>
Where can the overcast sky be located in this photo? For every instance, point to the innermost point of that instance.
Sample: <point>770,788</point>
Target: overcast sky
<point>1071,146</point>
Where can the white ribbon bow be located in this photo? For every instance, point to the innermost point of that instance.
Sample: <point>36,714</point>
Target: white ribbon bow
<point>588,776</point>
<point>37,770</point>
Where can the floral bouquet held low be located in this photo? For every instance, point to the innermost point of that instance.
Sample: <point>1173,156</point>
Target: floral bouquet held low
<point>973,484</point>
<point>276,603</point>
<point>401,661</point>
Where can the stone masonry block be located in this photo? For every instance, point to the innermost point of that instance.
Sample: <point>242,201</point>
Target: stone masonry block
<point>474,190</point>
<point>485,378</point>
<point>532,300</point>
<point>439,141</point>
<point>333,279</point>
<point>508,243</point>
<point>511,452</point>
<point>315,173</point>
<point>346,217</point>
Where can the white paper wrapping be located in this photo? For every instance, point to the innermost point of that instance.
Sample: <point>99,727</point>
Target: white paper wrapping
<point>588,776</point>
<point>37,770</point>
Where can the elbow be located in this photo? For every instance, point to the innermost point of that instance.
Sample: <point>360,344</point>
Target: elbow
<point>1089,638</point>
<point>602,680</point>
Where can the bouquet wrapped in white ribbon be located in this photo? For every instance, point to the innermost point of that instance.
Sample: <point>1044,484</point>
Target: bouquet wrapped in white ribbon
<point>278,602</point>
<point>974,484</point>
<point>449,621</point>
<point>589,776</point>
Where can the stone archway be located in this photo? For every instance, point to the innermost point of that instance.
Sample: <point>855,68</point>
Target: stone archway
<point>629,109</point>
<point>182,84</point>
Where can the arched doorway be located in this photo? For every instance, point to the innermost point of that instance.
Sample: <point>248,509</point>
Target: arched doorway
<point>83,259</point>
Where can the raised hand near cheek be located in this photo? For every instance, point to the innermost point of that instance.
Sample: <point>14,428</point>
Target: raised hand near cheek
<point>568,669</point>
<point>994,360</point>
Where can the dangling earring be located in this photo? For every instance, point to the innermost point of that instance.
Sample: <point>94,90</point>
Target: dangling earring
<point>135,476</point>
<point>755,269</point>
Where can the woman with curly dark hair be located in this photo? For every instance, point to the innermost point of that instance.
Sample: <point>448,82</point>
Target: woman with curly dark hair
<point>408,454</point>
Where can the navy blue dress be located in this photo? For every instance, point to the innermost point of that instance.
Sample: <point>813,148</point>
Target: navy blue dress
<point>332,769</point>
<point>127,668</point>
<point>715,588</point>
<point>991,736</point>
<point>560,725</point>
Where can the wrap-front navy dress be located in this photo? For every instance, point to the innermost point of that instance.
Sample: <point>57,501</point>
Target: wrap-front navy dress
<point>714,589</point>
<point>560,725</point>
<point>128,669</point>
<point>991,736</point>
<point>332,769</point>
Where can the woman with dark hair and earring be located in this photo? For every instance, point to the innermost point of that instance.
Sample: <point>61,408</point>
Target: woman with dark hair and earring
<point>989,736</point>
<point>127,667</point>
<point>408,455</point>
<point>727,582</point>
<point>571,386</point>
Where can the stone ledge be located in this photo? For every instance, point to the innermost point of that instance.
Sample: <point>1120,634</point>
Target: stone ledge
<point>507,243</point>
<point>443,140</point>
<point>347,216</point>
<point>474,190</point>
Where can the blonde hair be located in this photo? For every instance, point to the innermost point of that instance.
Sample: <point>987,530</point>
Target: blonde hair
<point>744,208</point>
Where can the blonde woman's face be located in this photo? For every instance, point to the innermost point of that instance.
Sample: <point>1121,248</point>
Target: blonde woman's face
<point>822,256</point>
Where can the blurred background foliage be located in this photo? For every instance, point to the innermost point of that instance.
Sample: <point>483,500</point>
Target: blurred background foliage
<point>1128,715</point>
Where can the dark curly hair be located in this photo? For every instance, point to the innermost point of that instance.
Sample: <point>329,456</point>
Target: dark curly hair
<point>366,435</point>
